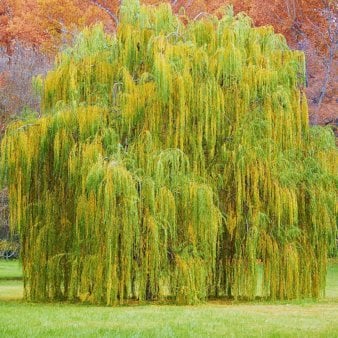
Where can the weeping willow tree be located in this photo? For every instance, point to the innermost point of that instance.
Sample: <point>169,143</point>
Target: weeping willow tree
<point>170,159</point>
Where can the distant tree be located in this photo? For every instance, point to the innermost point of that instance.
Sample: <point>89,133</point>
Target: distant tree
<point>17,71</point>
<point>31,32</point>
<point>47,24</point>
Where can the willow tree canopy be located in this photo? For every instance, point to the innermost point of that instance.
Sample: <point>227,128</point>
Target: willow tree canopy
<point>169,161</point>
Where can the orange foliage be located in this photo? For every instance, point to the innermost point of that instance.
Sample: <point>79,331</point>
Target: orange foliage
<point>46,24</point>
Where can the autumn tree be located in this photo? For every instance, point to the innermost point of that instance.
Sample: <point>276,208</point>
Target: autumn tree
<point>49,23</point>
<point>169,159</point>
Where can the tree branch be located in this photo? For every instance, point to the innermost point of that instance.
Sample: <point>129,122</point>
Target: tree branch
<point>206,14</point>
<point>107,10</point>
<point>327,77</point>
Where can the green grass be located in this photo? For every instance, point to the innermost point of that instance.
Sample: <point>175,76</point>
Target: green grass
<point>10,270</point>
<point>331,291</point>
<point>36,320</point>
<point>10,290</point>
<point>306,318</point>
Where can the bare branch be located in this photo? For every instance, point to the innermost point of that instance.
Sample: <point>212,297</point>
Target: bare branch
<point>107,10</point>
<point>327,76</point>
<point>317,30</point>
<point>330,40</point>
<point>202,14</point>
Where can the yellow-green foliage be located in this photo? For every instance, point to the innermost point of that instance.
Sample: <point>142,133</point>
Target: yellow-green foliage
<point>8,246</point>
<point>169,160</point>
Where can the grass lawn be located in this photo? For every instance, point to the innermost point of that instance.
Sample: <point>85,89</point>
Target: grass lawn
<point>305,318</point>
<point>10,270</point>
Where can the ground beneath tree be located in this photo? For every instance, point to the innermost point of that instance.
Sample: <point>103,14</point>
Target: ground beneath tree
<point>216,319</point>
